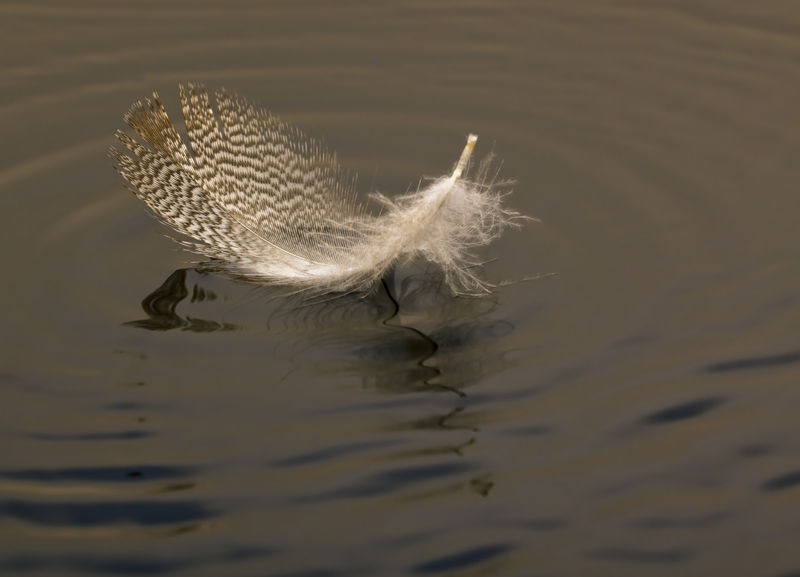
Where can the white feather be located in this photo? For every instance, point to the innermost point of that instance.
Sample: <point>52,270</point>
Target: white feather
<point>271,204</point>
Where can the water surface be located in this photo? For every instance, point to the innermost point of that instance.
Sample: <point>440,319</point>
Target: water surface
<point>635,413</point>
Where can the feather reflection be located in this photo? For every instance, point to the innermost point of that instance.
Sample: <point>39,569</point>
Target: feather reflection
<point>405,338</point>
<point>160,307</point>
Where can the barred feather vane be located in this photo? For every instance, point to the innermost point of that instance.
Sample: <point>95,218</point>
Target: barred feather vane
<point>266,202</point>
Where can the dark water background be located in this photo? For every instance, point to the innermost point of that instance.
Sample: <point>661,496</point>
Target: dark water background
<point>638,413</point>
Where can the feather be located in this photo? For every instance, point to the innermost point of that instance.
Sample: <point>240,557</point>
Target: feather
<point>268,203</point>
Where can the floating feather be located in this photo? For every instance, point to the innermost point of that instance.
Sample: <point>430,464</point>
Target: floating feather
<point>266,202</point>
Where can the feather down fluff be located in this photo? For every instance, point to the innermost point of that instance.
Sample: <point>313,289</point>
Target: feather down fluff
<point>271,204</point>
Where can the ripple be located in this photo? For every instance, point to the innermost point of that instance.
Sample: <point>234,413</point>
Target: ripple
<point>387,482</point>
<point>332,452</point>
<point>128,435</point>
<point>683,411</point>
<point>781,482</point>
<point>657,141</point>
<point>50,161</point>
<point>101,474</point>
<point>127,563</point>
<point>701,522</point>
<point>643,556</point>
<point>463,559</point>
<point>765,362</point>
<point>94,513</point>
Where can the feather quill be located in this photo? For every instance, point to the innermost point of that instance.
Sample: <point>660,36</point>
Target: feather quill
<point>268,203</point>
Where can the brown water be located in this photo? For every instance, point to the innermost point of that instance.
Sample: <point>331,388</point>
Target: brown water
<point>638,413</point>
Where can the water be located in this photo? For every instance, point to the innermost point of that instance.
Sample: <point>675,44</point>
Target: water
<point>637,413</point>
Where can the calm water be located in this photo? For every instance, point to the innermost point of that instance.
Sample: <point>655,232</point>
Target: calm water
<point>636,413</point>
